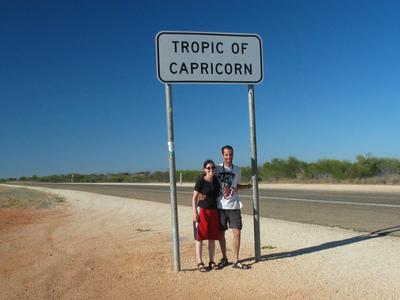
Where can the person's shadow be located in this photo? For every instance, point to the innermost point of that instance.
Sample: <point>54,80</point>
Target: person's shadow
<point>326,246</point>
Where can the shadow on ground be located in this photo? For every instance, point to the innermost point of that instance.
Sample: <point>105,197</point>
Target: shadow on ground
<point>329,245</point>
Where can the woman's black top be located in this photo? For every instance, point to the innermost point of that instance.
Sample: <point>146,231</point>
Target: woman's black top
<point>210,189</point>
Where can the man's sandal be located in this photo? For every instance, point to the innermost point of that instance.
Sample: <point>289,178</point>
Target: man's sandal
<point>213,266</point>
<point>201,267</point>
<point>238,265</point>
<point>223,263</point>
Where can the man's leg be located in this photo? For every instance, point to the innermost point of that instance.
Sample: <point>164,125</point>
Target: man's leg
<point>222,243</point>
<point>235,244</point>
<point>211,249</point>
<point>223,226</point>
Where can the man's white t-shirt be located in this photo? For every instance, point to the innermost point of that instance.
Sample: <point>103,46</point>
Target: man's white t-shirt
<point>229,178</point>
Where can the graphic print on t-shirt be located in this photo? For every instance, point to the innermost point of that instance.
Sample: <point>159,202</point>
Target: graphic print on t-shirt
<point>226,179</point>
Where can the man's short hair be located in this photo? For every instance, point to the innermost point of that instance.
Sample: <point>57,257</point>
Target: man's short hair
<point>226,147</point>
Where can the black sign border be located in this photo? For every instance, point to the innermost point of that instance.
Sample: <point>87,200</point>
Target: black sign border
<point>211,81</point>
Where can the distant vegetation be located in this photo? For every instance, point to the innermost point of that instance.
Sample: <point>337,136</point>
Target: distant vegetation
<point>366,169</point>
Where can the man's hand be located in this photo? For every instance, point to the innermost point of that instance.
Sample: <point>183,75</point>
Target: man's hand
<point>201,197</point>
<point>244,186</point>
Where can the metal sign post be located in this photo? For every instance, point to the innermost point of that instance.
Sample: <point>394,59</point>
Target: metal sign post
<point>172,179</point>
<point>209,57</point>
<point>254,172</point>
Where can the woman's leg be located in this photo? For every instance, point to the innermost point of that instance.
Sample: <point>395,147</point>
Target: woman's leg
<point>199,251</point>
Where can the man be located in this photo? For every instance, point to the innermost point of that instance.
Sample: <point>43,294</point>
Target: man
<point>229,206</point>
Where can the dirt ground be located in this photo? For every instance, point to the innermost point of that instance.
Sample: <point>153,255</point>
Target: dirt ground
<point>91,246</point>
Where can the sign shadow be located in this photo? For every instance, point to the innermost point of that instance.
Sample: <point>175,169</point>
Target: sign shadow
<point>328,245</point>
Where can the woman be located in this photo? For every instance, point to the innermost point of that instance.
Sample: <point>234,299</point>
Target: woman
<point>205,214</point>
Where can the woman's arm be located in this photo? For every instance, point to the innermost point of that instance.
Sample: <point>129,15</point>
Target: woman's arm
<point>194,206</point>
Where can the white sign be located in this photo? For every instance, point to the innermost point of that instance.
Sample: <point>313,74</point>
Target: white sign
<point>201,57</point>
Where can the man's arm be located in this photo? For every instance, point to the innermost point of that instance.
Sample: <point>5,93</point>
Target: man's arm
<point>244,186</point>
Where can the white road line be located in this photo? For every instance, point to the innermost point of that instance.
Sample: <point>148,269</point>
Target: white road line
<point>328,201</point>
<point>303,200</point>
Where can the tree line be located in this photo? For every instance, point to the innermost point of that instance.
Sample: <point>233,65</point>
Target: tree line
<point>365,169</point>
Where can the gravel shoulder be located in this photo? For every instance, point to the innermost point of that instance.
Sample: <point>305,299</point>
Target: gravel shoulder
<point>98,246</point>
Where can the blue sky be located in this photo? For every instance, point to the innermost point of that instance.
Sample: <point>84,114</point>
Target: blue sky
<point>79,91</point>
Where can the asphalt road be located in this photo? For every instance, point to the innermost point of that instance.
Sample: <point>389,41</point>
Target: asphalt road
<point>360,211</point>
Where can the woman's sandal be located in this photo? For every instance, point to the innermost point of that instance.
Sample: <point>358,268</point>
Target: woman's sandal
<point>238,265</point>
<point>201,267</point>
<point>213,266</point>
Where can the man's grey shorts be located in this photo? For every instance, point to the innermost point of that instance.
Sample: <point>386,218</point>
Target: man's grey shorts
<point>231,217</point>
